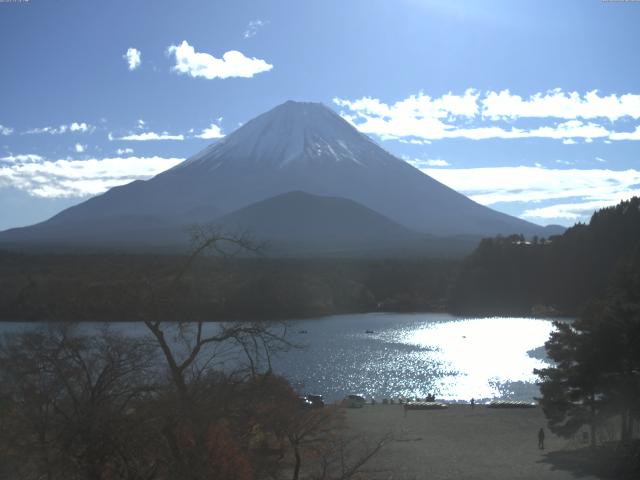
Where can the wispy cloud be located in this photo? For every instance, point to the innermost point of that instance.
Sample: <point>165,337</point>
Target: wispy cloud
<point>75,127</point>
<point>574,211</point>
<point>23,158</point>
<point>253,27</point>
<point>477,116</point>
<point>79,148</point>
<point>583,190</point>
<point>122,151</point>
<point>430,162</point>
<point>5,130</point>
<point>78,178</point>
<point>148,136</point>
<point>232,64</point>
<point>213,131</point>
<point>133,56</point>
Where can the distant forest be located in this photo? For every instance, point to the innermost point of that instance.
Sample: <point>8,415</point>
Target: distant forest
<point>504,275</point>
<point>135,287</point>
<point>560,274</point>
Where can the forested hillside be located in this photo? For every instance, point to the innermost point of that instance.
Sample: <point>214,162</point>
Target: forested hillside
<point>511,275</point>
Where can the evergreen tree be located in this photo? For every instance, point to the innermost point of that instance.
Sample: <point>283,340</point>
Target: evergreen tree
<point>597,361</point>
<point>572,389</point>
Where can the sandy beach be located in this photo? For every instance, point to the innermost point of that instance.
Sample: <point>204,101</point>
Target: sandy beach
<point>461,443</point>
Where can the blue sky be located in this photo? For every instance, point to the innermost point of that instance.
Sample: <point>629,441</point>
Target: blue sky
<point>531,108</point>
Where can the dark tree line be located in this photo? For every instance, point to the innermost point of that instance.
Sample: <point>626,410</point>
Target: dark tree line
<point>49,287</point>
<point>511,275</point>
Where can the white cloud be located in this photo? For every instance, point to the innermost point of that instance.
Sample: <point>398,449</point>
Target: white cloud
<point>79,148</point>
<point>556,103</point>
<point>599,159</point>
<point>430,162</point>
<point>493,185</point>
<point>437,163</point>
<point>253,27</point>
<point>415,141</point>
<point>79,127</point>
<point>133,58</point>
<point>146,136</point>
<point>24,158</point>
<point>5,130</point>
<point>635,135</point>
<point>570,129</point>
<point>574,211</point>
<point>232,64</point>
<point>122,151</point>
<point>420,118</point>
<point>417,106</point>
<point>394,126</point>
<point>141,123</point>
<point>75,127</point>
<point>214,131</point>
<point>76,178</point>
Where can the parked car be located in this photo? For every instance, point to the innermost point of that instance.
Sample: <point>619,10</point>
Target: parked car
<point>316,400</point>
<point>354,401</point>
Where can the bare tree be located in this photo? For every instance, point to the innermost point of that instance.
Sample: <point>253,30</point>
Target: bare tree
<point>320,438</point>
<point>191,349</point>
<point>345,456</point>
<point>72,404</point>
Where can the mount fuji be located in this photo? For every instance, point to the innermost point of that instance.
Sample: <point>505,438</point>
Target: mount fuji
<point>342,180</point>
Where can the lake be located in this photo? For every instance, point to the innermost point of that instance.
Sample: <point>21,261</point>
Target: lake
<point>407,355</point>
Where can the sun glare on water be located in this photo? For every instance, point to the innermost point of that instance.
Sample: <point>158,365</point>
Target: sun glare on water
<point>483,356</point>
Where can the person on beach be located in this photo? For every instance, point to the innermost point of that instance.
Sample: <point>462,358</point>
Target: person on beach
<point>473,403</point>
<point>541,439</point>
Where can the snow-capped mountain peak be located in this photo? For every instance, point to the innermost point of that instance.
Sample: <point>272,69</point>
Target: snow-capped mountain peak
<point>289,133</point>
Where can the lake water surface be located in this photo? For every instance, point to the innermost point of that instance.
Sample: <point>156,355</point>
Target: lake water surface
<point>411,355</point>
<point>407,355</point>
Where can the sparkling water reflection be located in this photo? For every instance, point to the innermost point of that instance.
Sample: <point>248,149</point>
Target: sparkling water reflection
<point>411,355</point>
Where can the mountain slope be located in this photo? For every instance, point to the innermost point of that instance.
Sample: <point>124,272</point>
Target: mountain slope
<point>298,222</point>
<point>294,147</point>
